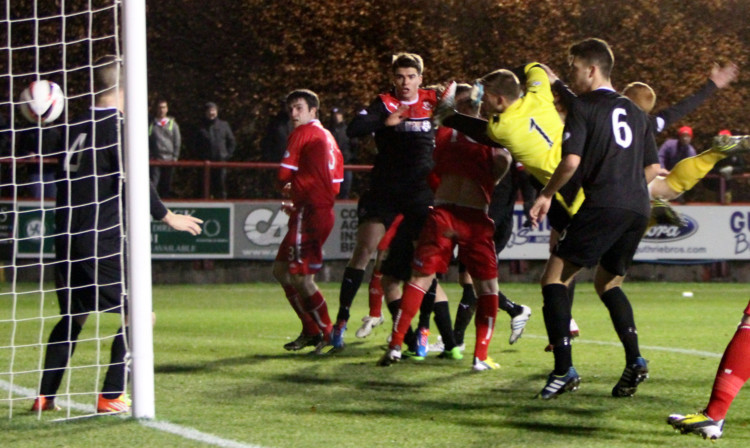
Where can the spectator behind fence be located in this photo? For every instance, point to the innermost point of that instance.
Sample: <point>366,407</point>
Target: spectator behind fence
<point>216,143</point>
<point>164,142</point>
<point>40,142</point>
<point>337,126</point>
<point>675,149</point>
<point>273,144</point>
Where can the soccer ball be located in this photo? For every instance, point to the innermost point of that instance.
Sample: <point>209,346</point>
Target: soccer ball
<point>42,101</point>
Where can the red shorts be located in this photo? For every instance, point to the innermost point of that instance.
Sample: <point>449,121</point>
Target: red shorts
<point>450,225</point>
<point>302,247</point>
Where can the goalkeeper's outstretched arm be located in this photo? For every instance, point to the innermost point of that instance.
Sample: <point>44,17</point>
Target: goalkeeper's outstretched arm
<point>473,127</point>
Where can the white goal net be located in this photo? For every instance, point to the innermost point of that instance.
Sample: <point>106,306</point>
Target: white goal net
<point>60,42</point>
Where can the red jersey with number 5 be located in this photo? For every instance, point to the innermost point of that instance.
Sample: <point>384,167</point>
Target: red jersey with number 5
<point>313,164</point>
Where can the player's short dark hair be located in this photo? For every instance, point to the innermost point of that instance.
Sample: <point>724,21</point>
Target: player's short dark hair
<point>461,90</point>
<point>502,82</point>
<point>107,73</point>
<point>595,52</point>
<point>407,60</point>
<point>308,95</point>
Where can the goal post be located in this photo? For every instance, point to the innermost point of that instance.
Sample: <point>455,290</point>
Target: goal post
<point>137,194</point>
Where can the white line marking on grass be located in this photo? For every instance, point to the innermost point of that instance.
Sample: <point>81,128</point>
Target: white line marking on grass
<point>194,434</point>
<point>647,347</point>
<point>164,426</point>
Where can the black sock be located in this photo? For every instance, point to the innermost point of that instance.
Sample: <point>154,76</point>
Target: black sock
<point>621,314</point>
<point>509,307</point>
<point>443,322</point>
<point>349,287</point>
<point>557,320</point>
<point>114,380</point>
<point>563,356</point>
<point>425,309</point>
<point>60,347</point>
<point>571,292</point>
<point>464,313</point>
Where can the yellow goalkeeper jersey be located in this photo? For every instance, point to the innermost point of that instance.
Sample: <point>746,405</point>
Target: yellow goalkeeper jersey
<point>531,129</point>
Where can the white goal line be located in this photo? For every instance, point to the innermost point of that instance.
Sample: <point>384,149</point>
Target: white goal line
<point>164,426</point>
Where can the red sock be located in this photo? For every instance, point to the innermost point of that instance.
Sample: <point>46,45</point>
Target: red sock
<point>485,323</point>
<point>309,327</point>
<point>410,303</point>
<point>316,306</point>
<point>734,371</point>
<point>376,295</point>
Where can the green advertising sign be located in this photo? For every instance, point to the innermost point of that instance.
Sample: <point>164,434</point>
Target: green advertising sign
<point>214,242</point>
<point>36,228</point>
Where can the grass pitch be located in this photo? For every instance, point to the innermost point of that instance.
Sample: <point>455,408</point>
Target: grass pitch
<point>220,369</point>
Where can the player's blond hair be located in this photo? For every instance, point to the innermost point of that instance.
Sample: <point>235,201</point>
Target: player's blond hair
<point>107,74</point>
<point>641,94</point>
<point>502,82</point>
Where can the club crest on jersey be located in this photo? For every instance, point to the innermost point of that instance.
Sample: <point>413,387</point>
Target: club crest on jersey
<point>426,105</point>
<point>416,126</point>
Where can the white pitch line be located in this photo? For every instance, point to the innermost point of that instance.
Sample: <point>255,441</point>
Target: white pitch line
<point>164,426</point>
<point>645,347</point>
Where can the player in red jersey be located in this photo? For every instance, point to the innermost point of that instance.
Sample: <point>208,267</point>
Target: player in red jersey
<point>468,172</point>
<point>311,173</point>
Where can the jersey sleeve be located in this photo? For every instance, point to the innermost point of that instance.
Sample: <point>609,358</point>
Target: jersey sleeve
<point>369,120</point>
<point>650,154</point>
<point>574,133</point>
<point>537,81</point>
<point>157,207</point>
<point>290,161</point>
<point>683,107</point>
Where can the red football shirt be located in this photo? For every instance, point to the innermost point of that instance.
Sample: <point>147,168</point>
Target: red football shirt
<point>313,164</point>
<point>457,154</point>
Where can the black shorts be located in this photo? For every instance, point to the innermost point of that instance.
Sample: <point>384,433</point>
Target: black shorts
<point>397,263</point>
<point>558,217</point>
<point>605,236</point>
<point>501,210</point>
<point>384,206</point>
<point>93,285</point>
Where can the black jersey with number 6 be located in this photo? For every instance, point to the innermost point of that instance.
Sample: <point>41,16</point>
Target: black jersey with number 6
<point>614,139</point>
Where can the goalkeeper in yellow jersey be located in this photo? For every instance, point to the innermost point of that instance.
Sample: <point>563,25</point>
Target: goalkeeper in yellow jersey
<point>526,123</point>
<point>523,119</point>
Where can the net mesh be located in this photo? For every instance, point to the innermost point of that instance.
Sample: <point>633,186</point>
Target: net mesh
<point>56,41</point>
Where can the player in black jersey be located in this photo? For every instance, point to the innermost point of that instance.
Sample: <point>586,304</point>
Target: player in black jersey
<point>609,147</point>
<point>89,244</point>
<point>405,138</point>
